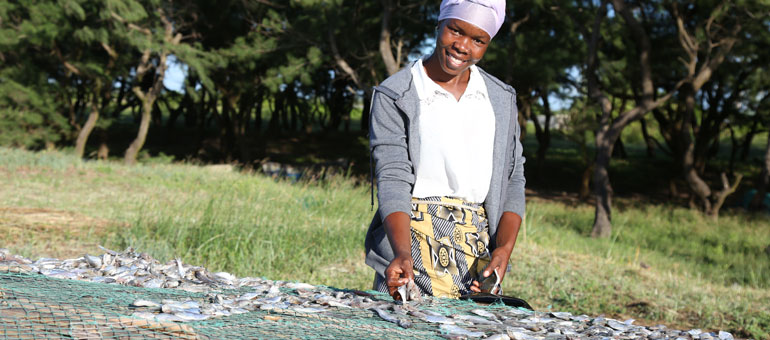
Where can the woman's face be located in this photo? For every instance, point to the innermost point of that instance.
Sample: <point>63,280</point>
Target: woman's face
<point>459,45</point>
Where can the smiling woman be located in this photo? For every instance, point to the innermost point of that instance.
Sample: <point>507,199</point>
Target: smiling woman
<point>448,163</point>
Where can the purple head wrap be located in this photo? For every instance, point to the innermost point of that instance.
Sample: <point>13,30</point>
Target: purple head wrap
<point>485,14</point>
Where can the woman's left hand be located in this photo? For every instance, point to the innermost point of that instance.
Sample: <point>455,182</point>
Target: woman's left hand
<point>500,258</point>
<point>507,232</point>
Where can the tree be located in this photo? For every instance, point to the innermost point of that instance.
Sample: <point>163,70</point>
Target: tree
<point>155,69</point>
<point>533,53</point>
<point>716,79</point>
<point>56,58</point>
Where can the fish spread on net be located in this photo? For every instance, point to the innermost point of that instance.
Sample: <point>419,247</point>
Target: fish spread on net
<point>132,268</point>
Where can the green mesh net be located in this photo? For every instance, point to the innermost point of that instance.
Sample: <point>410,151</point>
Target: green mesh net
<point>34,306</point>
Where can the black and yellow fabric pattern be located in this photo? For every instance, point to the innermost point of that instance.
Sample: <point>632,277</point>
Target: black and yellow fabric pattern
<point>450,239</point>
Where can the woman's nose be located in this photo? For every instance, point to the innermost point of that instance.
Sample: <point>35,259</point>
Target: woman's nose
<point>461,45</point>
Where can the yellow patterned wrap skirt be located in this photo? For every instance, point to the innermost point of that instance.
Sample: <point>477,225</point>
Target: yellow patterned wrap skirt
<point>450,246</point>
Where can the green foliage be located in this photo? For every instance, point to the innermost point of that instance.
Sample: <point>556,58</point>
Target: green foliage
<point>73,9</point>
<point>27,119</point>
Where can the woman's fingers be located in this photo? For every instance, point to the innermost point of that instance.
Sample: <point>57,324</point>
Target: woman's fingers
<point>398,273</point>
<point>475,286</point>
<point>500,262</point>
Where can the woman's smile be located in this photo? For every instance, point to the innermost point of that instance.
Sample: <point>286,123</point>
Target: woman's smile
<point>453,61</point>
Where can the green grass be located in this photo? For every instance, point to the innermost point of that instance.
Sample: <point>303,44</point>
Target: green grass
<point>663,264</point>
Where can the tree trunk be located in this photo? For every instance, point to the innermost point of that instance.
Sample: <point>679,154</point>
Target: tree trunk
<point>763,181</point>
<point>226,125</point>
<point>733,148</point>
<point>148,98</point>
<point>258,114</point>
<point>274,125</point>
<point>242,121</point>
<point>602,189</point>
<point>746,145</point>
<point>391,64</point>
<point>585,180</point>
<point>721,195</point>
<point>694,181</point>
<point>602,186</point>
<point>647,139</point>
<point>93,116</point>
<point>141,136</point>
<point>544,135</point>
<point>585,183</point>
<point>80,143</point>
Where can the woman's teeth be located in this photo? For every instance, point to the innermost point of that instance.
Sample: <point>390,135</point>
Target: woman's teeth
<point>452,59</point>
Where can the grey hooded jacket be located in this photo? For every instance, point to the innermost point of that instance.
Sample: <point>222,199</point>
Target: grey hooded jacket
<point>395,143</point>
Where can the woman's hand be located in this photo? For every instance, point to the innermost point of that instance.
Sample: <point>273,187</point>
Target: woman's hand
<point>507,232</point>
<point>499,262</point>
<point>399,272</point>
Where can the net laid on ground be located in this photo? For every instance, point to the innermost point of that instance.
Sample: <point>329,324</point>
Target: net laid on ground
<point>130,295</point>
<point>34,306</point>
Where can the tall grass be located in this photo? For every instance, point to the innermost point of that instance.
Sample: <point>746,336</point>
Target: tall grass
<point>663,264</point>
<point>256,226</point>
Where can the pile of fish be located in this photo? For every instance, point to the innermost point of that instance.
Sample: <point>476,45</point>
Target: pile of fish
<point>132,268</point>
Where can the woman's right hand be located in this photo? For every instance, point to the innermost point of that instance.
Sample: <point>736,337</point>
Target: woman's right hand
<point>399,272</point>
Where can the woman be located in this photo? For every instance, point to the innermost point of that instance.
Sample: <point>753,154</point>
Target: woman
<point>444,138</point>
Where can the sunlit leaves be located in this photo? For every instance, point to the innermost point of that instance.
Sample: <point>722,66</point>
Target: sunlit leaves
<point>73,9</point>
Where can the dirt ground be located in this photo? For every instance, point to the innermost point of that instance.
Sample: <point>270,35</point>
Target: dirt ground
<point>60,234</point>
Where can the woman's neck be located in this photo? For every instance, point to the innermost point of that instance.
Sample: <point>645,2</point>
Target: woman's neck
<point>454,84</point>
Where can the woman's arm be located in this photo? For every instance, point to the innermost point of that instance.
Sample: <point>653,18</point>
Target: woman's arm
<point>513,210</point>
<point>395,179</point>
<point>400,271</point>
<point>392,166</point>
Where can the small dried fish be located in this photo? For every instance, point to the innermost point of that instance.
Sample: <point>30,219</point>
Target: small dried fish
<point>439,319</point>
<point>93,261</point>
<point>154,283</point>
<point>188,316</point>
<point>390,318</point>
<point>111,252</point>
<point>273,291</point>
<point>456,330</point>
<point>476,320</point>
<point>248,296</point>
<point>102,279</point>
<point>271,306</point>
<point>168,317</point>
<point>408,292</point>
<point>225,278</point>
<point>486,314</point>
<point>309,310</point>
<point>180,269</point>
<point>59,273</point>
<point>145,303</point>
<point>274,299</point>
<point>300,285</point>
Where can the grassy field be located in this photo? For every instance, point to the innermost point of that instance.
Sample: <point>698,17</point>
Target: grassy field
<point>663,264</point>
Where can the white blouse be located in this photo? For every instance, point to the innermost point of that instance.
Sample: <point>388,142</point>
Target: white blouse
<point>456,139</point>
